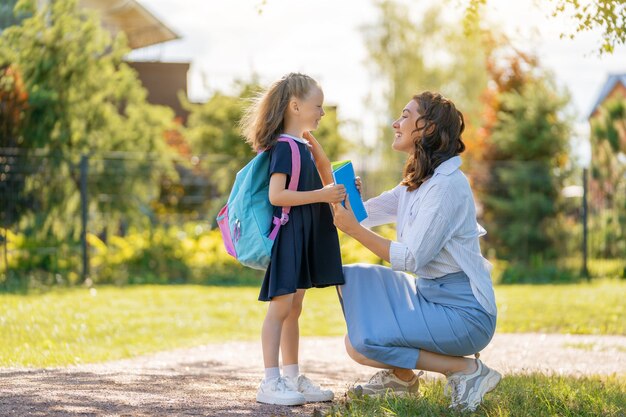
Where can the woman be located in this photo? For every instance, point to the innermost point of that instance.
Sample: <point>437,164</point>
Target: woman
<point>398,322</point>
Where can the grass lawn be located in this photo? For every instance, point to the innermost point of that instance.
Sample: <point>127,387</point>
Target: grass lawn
<point>516,396</point>
<point>70,326</point>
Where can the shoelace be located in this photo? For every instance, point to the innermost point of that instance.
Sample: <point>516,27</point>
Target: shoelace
<point>305,383</point>
<point>377,378</point>
<point>452,389</point>
<point>280,384</point>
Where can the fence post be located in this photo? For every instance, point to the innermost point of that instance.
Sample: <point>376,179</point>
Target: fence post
<point>84,165</point>
<point>585,270</point>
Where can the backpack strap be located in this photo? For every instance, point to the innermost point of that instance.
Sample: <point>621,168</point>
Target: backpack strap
<point>293,185</point>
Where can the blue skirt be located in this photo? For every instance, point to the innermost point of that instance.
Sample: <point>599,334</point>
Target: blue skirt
<point>392,315</point>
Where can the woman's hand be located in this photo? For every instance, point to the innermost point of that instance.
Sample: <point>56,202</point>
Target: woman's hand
<point>333,193</point>
<point>344,218</point>
<point>357,182</point>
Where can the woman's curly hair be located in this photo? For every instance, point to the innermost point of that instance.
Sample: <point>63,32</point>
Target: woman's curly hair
<point>437,137</point>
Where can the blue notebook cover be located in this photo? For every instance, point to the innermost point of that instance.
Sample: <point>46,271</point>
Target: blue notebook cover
<point>343,173</point>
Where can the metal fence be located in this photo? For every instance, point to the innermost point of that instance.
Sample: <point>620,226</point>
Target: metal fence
<point>51,204</point>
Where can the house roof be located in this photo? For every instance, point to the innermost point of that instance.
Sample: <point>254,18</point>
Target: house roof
<point>141,27</point>
<point>608,87</point>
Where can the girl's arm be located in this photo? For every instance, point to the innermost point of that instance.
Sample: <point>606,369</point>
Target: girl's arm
<point>321,160</point>
<point>281,197</point>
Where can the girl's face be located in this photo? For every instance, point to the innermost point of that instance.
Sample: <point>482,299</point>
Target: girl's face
<point>310,109</point>
<point>403,128</point>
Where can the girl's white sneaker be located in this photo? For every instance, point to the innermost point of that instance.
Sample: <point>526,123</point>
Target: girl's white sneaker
<point>276,391</point>
<point>312,393</point>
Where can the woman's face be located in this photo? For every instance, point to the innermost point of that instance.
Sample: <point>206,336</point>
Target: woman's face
<point>403,128</point>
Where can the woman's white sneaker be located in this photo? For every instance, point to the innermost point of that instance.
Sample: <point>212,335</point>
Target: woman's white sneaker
<point>276,391</point>
<point>312,393</point>
<point>467,391</point>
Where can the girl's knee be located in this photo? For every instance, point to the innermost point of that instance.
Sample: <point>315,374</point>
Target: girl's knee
<point>296,310</point>
<point>280,307</point>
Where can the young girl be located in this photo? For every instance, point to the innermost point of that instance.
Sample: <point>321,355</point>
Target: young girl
<point>306,251</point>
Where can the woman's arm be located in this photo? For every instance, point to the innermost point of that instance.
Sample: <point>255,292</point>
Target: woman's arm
<point>321,160</point>
<point>281,197</point>
<point>425,237</point>
<point>346,222</point>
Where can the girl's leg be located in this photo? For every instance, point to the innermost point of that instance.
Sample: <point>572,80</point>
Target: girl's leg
<point>278,310</point>
<point>274,390</point>
<point>290,337</point>
<point>428,361</point>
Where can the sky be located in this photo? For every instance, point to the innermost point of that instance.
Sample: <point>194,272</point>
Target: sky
<point>229,40</point>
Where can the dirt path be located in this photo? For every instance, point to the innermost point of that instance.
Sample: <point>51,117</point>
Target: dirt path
<point>221,379</point>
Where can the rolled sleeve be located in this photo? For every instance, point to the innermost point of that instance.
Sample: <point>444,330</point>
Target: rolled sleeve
<point>397,256</point>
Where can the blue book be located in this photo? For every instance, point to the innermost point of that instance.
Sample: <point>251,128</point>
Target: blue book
<point>343,173</point>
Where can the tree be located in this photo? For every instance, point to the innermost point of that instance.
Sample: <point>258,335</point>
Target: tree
<point>82,99</point>
<point>13,103</point>
<point>7,16</point>
<point>413,56</point>
<point>608,16</point>
<point>526,163</point>
<point>608,182</point>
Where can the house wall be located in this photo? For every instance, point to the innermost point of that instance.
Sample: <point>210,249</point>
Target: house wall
<point>164,80</point>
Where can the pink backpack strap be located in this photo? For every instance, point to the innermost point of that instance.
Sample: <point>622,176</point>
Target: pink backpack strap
<point>293,184</point>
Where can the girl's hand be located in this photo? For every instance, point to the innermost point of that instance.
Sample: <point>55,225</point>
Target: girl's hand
<point>344,218</point>
<point>333,193</point>
<point>357,182</point>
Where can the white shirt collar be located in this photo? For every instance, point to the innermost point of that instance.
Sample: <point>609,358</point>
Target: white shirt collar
<point>297,139</point>
<point>448,166</point>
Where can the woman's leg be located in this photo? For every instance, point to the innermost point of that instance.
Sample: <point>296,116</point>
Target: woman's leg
<point>290,337</point>
<point>428,361</point>
<point>277,312</point>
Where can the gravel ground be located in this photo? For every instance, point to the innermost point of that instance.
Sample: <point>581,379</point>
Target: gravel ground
<point>221,379</point>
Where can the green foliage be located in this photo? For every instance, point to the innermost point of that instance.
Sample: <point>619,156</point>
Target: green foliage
<point>538,272</point>
<point>191,254</point>
<point>327,134</point>
<point>519,396</point>
<point>213,130</point>
<point>82,99</point>
<point>607,16</point>
<point>7,16</point>
<point>412,56</point>
<point>154,255</point>
<point>608,180</point>
<point>527,169</point>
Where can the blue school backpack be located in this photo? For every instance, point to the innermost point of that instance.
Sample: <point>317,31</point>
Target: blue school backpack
<point>246,222</point>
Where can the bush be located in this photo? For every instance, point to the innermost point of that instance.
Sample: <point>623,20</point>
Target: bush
<point>519,273</point>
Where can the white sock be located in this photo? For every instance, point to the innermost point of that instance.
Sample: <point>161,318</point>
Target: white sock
<point>272,373</point>
<point>292,371</point>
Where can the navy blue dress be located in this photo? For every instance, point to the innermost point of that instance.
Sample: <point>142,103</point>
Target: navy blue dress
<point>306,251</point>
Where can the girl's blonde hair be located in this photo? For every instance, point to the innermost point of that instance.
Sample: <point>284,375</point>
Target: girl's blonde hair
<point>263,121</point>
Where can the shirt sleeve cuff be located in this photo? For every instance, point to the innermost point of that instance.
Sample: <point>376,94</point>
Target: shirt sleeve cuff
<point>397,256</point>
